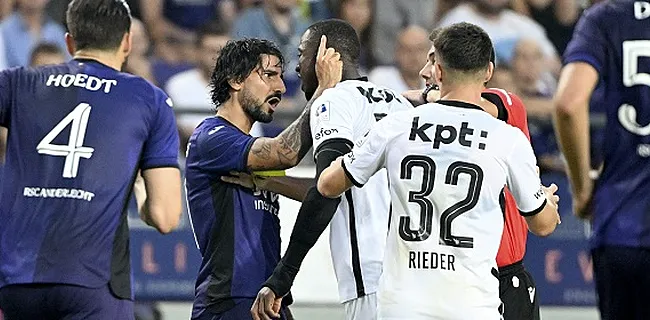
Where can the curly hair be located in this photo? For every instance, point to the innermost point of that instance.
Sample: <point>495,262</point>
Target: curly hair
<point>236,61</point>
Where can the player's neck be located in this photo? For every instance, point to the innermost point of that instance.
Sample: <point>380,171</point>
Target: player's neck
<point>469,94</point>
<point>350,74</point>
<point>107,58</point>
<point>234,113</point>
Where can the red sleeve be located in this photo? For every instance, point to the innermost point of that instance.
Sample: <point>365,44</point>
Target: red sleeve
<point>517,115</point>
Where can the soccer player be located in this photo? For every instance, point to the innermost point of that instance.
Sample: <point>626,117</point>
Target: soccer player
<point>237,229</point>
<point>517,288</point>
<point>341,115</point>
<point>606,65</point>
<point>78,134</point>
<point>447,167</point>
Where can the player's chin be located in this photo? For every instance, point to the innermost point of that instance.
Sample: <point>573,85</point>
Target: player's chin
<point>265,116</point>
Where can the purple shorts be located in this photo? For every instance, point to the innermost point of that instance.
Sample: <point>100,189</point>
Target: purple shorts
<point>62,302</point>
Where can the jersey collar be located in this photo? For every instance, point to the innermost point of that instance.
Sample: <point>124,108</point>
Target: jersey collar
<point>459,104</point>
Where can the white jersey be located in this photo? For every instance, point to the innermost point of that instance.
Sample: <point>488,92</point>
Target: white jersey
<point>447,166</point>
<point>359,227</point>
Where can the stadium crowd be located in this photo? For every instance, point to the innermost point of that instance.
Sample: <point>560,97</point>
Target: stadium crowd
<point>176,42</point>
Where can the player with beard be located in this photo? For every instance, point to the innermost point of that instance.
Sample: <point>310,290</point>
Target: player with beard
<point>237,229</point>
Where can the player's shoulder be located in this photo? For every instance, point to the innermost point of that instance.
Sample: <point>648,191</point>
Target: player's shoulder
<point>507,102</point>
<point>216,128</point>
<point>608,12</point>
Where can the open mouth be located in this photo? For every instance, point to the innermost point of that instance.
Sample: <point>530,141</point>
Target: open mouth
<point>273,102</point>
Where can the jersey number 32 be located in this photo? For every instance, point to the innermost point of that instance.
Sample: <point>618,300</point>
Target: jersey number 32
<point>420,197</point>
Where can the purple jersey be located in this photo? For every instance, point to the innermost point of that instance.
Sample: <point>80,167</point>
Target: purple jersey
<point>237,230</point>
<point>614,38</point>
<point>78,132</point>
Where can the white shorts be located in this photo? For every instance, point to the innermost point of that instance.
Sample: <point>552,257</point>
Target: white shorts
<point>363,308</point>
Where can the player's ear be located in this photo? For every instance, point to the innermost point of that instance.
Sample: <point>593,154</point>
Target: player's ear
<point>127,43</point>
<point>69,43</point>
<point>490,72</point>
<point>235,85</point>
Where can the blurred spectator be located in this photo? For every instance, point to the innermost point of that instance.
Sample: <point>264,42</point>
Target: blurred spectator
<point>138,61</point>
<point>315,10</point>
<point>558,17</point>
<point>393,15</point>
<point>189,90</point>
<point>46,54</point>
<point>280,22</point>
<point>412,42</point>
<point>26,27</point>
<point>528,70</point>
<point>6,8</point>
<point>180,18</point>
<point>536,92</point>
<point>169,59</point>
<point>359,14</point>
<point>531,83</point>
<point>505,27</point>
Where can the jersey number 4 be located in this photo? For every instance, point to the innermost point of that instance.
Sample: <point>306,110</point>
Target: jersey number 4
<point>420,197</point>
<point>74,150</point>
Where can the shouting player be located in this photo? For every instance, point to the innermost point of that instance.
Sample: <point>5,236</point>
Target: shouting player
<point>607,65</point>
<point>237,229</point>
<point>340,116</point>
<point>78,134</point>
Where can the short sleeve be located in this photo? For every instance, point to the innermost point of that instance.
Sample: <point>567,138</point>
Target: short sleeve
<point>5,97</point>
<point>332,118</point>
<point>161,147</point>
<point>588,43</point>
<point>369,154</point>
<point>522,177</point>
<point>223,149</point>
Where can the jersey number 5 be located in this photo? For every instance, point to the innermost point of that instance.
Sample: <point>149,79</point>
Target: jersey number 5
<point>74,150</point>
<point>420,197</point>
<point>633,50</point>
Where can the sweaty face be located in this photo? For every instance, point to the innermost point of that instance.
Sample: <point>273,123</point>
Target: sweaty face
<point>306,68</point>
<point>262,90</point>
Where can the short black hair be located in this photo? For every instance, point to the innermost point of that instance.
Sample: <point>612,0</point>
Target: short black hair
<point>340,35</point>
<point>98,24</point>
<point>212,28</point>
<point>236,61</point>
<point>463,47</point>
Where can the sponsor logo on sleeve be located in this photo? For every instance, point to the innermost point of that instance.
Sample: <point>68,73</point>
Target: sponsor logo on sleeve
<point>324,132</point>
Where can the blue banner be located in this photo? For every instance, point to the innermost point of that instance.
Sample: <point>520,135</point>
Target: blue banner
<point>561,264</point>
<point>164,266</point>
